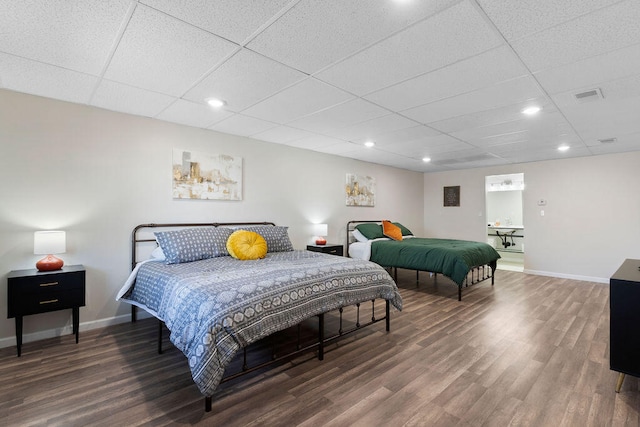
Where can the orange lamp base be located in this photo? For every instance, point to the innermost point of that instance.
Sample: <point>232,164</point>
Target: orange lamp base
<point>321,241</point>
<point>49,263</point>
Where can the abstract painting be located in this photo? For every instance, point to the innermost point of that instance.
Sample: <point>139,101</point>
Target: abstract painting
<point>361,190</point>
<point>206,176</point>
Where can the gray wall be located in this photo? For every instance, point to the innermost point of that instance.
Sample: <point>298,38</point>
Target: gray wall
<point>97,174</point>
<point>591,222</point>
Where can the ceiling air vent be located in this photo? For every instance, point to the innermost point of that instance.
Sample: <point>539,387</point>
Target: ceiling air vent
<point>589,95</point>
<point>607,140</point>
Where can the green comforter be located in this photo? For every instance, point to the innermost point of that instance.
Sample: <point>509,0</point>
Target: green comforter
<point>453,258</point>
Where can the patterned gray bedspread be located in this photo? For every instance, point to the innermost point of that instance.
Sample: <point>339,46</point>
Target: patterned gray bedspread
<point>216,306</point>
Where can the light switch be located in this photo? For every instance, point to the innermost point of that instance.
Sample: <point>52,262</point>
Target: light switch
<point>542,213</point>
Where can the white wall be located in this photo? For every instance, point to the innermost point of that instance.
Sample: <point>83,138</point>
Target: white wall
<point>97,174</point>
<point>591,222</point>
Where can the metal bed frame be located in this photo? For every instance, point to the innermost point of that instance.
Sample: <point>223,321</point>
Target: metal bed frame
<point>478,273</point>
<point>321,341</point>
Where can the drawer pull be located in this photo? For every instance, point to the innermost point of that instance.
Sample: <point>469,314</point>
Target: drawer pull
<point>48,284</point>
<point>51,301</point>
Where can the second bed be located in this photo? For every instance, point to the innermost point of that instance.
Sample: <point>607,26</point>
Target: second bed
<point>463,261</point>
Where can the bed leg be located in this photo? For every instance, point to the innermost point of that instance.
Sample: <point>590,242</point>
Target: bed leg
<point>133,314</point>
<point>159,336</point>
<point>493,265</point>
<point>207,403</point>
<point>459,292</point>
<point>395,274</point>
<point>321,336</point>
<point>387,314</point>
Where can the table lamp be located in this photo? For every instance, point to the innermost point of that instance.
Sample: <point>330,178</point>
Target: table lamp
<point>321,230</point>
<point>49,243</point>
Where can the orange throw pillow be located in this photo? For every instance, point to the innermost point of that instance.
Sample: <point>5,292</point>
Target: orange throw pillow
<point>391,230</point>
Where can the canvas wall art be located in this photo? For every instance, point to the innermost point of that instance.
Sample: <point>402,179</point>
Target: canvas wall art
<point>361,190</point>
<point>206,176</point>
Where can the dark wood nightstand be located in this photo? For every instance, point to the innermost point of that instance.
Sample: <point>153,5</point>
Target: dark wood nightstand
<point>327,249</point>
<point>33,292</point>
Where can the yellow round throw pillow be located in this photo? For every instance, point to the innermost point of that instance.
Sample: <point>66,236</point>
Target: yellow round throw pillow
<point>246,245</point>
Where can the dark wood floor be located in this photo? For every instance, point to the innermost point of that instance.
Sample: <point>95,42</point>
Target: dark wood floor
<point>531,350</point>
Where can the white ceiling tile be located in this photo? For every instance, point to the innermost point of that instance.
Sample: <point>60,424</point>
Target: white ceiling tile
<point>510,92</point>
<point>340,148</point>
<point>592,71</point>
<point>345,27</point>
<point>543,127</point>
<point>192,114</point>
<point>408,134</point>
<point>24,75</point>
<point>452,35</point>
<point>494,116</point>
<point>516,19</point>
<point>611,28</point>
<point>372,128</point>
<point>282,134</point>
<point>74,34</point>
<point>306,97</point>
<point>340,116</point>
<point>119,97</point>
<point>624,143</point>
<point>163,54</point>
<point>239,85</point>
<point>538,155</point>
<point>604,119</point>
<point>482,70</point>
<point>234,20</point>
<point>424,148</point>
<point>314,141</point>
<point>242,125</point>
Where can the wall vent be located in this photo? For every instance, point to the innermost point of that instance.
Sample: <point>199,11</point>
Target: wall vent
<point>608,140</point>
<point>589,95</point>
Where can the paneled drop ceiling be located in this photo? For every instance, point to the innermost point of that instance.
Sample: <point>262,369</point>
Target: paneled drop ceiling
<point>443,79</point>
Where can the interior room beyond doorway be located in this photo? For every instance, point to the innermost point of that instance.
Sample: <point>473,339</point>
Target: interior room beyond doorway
<point>505,222</point>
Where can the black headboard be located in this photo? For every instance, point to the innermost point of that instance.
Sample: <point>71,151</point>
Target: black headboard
<point>351,225</point>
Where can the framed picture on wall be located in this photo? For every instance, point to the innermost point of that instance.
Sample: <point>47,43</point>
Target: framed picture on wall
<point>452,196</point>
<point>361,190</point>
<point>206,176</point>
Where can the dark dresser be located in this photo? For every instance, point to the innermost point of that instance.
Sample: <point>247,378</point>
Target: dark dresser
<point>624,297</point>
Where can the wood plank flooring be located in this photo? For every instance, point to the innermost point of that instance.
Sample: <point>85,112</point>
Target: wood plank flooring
<point>530,351</point>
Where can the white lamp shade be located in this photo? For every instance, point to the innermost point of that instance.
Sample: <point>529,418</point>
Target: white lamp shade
<point>49,242</point>
<point>320,230</point>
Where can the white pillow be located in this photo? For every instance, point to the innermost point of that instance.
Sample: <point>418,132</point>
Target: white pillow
<point>359,236</point>
<point>158,254</point>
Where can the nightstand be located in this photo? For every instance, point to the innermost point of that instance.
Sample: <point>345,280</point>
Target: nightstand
<point>33,292</point>
<point>327,249</point>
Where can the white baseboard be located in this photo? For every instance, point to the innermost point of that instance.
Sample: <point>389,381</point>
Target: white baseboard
<point>568,276</point>
<point>68,330</point>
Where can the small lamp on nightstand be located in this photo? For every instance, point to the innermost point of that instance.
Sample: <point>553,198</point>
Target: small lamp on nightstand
<point>49,243</point>
<point>320,231</point>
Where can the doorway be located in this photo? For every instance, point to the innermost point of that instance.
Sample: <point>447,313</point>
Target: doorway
<point>505,222</point>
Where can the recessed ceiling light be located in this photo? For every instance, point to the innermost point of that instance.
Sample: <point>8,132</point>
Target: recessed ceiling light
<point>426,159</point>
<point>369,144</point>
<point>215,102</point>
<point>563,147</point>
<point>530,111</point>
